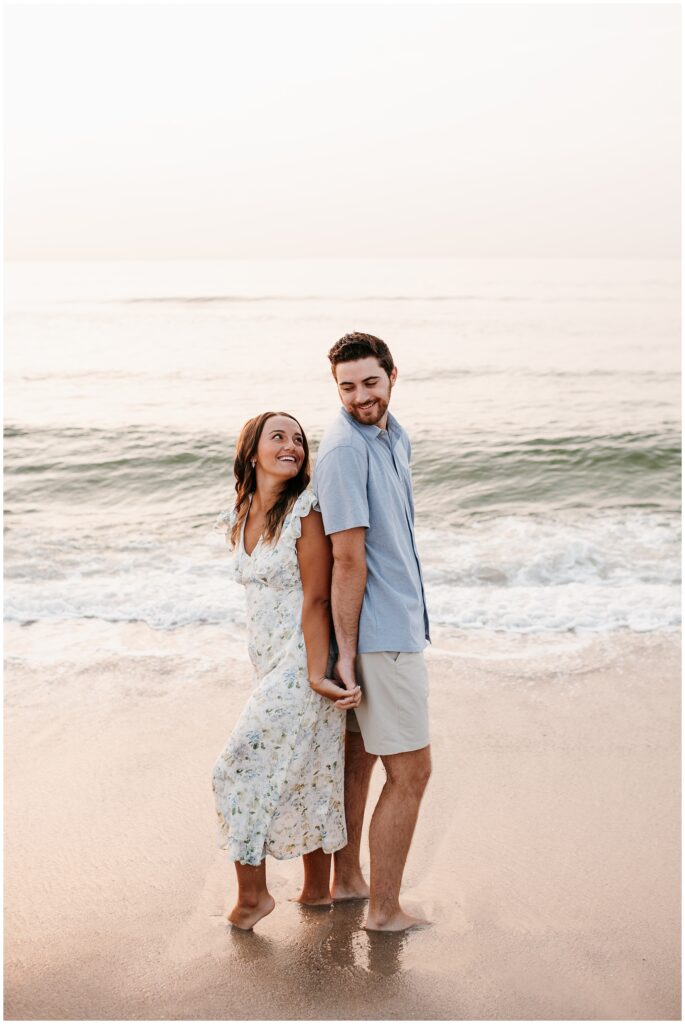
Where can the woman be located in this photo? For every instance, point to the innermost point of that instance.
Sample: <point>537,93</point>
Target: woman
<point>278,784</point>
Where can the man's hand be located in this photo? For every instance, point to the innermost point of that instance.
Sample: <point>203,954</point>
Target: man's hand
<point>344,672</point>
<point>344,698</point>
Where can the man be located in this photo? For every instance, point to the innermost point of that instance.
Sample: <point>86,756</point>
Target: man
<point>363,483</point>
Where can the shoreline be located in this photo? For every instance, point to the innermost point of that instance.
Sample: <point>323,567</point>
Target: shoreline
<point>547,850</point>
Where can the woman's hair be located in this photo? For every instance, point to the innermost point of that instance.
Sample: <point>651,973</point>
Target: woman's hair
<point>246,478</point>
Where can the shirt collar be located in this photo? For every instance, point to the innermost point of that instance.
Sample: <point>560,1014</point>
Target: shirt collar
<point>370,428</point>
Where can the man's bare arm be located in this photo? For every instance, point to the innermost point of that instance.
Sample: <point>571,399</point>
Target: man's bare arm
<point>347,594</point>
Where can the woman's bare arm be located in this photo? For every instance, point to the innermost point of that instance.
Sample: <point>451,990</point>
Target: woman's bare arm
<point>316,561</point>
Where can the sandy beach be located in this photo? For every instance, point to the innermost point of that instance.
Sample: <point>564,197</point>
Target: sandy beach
<point>205,199</point>
<point>547,851</point>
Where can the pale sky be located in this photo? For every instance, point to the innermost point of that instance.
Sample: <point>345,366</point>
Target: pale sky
<point>224,131</point>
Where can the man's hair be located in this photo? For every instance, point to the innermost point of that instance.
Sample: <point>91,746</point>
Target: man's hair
<point>358,346</point>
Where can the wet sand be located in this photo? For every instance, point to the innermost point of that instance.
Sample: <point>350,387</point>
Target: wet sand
<point>547,851</point>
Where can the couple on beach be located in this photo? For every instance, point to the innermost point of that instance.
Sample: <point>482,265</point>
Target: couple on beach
<point>294,776</point>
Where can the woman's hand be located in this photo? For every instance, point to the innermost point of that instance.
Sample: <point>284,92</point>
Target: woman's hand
<point>351,700</point>
<point>343,699</point>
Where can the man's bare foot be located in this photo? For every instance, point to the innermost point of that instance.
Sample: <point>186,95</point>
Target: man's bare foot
<point>397,922</point>
<point>246,917</point>
<point>354,889</point>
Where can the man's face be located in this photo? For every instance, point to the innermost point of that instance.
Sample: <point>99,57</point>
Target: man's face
<point>364,387</point>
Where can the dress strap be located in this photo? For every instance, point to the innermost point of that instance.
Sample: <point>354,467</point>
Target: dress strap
<point>300,510</point>
<point>224,522</point>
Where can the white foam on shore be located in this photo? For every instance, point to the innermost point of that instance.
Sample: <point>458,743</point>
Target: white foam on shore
<point>513,574</point>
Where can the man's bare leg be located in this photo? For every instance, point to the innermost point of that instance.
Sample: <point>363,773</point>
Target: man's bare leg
<point>348,881</point>
<point>254,899</point>
<point>392,828</point>
<point>317,875</point>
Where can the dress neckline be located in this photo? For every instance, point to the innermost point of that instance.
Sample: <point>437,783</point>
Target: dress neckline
<point>242,530</point>
<point>248,554</point>
<point>259,540</point>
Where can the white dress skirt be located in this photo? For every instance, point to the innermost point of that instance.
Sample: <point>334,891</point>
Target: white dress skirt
<point>278,784</point>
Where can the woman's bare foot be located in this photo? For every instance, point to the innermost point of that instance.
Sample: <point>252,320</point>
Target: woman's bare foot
<point>246,915</point>
<point>309,900</point>
<point>397,922</point>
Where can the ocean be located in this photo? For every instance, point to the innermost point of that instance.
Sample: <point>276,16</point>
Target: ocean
<point>542,399</point>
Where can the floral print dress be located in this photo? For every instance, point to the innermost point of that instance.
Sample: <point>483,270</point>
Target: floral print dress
<point>278,785</point>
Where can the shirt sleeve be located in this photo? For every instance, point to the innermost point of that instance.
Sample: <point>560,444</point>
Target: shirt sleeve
<point>340,479</point>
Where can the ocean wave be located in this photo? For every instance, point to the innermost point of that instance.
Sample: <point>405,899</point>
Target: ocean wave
<point>557,609</point>
<point>514,573</point>
<point>472,474</point>
<point>583,472</point>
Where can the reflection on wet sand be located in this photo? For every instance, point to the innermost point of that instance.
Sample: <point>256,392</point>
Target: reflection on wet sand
<point>345,944</point>
<point>250,947</point>
<point>350,945</point>
<point>385,950</point>
<point>331,937</point>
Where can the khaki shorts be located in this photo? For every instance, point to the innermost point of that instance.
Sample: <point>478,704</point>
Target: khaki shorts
<point>393,714</point>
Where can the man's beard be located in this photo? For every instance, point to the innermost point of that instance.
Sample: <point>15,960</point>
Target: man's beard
<point>373,414</point>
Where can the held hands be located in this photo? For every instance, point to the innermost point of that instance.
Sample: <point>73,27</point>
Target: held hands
<point>345,698</point>
<point>344,674</point>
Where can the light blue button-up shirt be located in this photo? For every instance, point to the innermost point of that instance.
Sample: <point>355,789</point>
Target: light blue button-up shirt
<point>362,478</point>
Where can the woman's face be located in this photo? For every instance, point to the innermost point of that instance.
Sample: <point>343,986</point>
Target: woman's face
<point>280,451</point>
